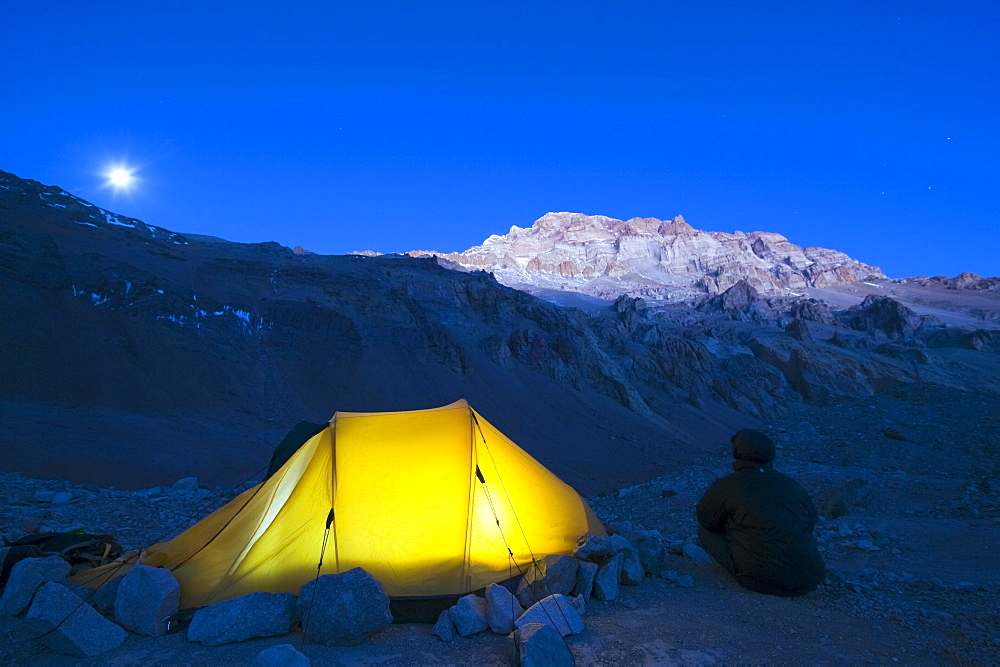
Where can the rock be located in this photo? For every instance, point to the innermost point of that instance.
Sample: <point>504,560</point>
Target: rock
<point>469,615</point>
<point>244,617</point>
<point>541,645</point>
<point>667,493</point>
<point>596,548</point>
<point>61,497</point>
<point>608,575</point>
<point>632,572</point>
<point>696,553</point>
<point>502,609</point>
<point>866,545</point>
<point>804,431</point>
<point>555,610</point>
<point>882,314</point>
<point>894,434</point>
<point>31,524</point>
<point>68,626</point>
<point>25,578</point>
<point>552,574</point>
<point>104,597</point>
<point>685,581</point>
<point>145,598</point>
<point>282,655</point>
<point>649,544</point>
<point>187,485</point>
<point>585,579</point>
<point>343,609</point>
<point>669,575</point>
<point>834,577</point>
<point>579,604</point>
<point>839,500</point>
<point>798,330</point>
<point>444,628</point>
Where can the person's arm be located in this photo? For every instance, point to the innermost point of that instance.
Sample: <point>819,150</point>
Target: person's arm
<point>711,509</point>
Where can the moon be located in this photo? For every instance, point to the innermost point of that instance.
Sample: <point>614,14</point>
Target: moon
<point>120,177</point>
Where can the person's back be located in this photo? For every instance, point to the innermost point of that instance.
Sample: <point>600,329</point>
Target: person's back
<point>757,523</point>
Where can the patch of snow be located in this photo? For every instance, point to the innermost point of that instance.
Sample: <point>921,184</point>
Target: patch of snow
<point>113,219</point>
<point>873,285</point>
<point>55,205</point>
<point>128,287</point>
<point>159,291</point>
<point>89,224</point>
<point>5,187</point>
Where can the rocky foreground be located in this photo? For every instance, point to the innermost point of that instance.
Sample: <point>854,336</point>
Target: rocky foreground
<point>906,481</point>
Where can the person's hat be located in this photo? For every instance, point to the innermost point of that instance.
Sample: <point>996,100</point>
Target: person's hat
<point>752,445</point>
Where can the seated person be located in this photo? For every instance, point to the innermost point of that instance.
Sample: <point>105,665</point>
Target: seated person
<point>757,523</point>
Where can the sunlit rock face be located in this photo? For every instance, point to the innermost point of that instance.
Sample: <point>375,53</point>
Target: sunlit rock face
<point>605,257</point>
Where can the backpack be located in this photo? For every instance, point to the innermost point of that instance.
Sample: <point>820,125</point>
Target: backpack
<point>81,550</point>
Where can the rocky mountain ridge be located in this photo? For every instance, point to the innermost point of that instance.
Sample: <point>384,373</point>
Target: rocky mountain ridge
<point>661,259</point>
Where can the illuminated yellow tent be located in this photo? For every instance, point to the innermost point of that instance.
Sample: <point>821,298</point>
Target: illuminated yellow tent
<point>427,501</point>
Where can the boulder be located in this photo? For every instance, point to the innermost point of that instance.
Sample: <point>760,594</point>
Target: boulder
<point>104,597</point>
<point>696,553</point>
<point>585,579</point>
<point>541,645</point>
<point>469,615</point>
<point>882,314</point>
<point>186,485</point>
<point>596,548</point>
<point>67,625</point>
<point>54,497</point>
<point>444,628</point>
<point>555,573</point>
<point>839,500</point>
<point>145,598</point>
<point>25,578</point>
<point>282,655</point>
<point>555,610</point>
<point>607,577</point>
<point>799,330</point>
<point>244,617</point>
<point>632,572</point>
<point>650,545</point>
<point>502,609</point>
<point>344,609</point>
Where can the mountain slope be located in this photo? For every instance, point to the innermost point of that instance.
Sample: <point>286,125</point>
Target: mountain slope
<point>143,355</point>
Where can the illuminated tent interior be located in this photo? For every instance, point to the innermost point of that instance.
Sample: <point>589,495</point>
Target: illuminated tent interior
<point>427,501</point>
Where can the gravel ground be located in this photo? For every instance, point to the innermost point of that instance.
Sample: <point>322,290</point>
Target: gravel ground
<point>908,481</point>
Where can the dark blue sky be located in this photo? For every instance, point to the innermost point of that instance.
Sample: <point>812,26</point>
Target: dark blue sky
<point>869,127</point>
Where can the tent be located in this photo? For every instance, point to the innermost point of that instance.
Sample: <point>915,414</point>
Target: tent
<point>431,502</point>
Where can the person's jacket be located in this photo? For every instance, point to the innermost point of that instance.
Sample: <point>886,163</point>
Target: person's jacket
<point>768,519</point>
